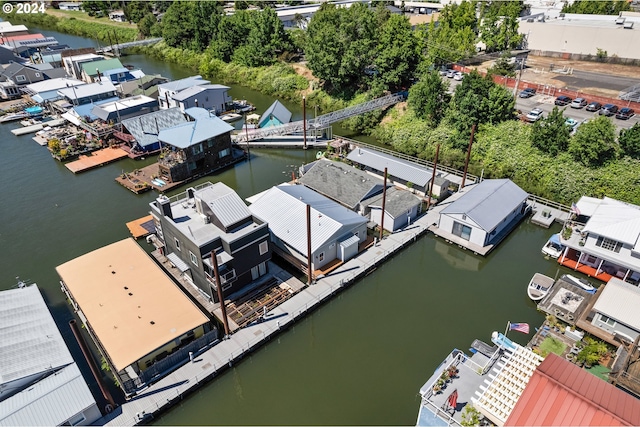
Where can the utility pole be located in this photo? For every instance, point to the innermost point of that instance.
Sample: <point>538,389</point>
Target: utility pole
<point>433,177</point>
<point>304,121</point>
<point>466,162</point>
<point>384,199</point>
<point>309,263</point>
<point>223,307</point>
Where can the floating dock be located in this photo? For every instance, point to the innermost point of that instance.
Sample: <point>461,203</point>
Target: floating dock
<point>141,227</point>
<point>27,129</point>
<point>96,159</point>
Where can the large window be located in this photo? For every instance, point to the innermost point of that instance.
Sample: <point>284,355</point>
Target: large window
<point>224,153</point>
<point>461,230</point>
<point>606,319</point>
<point>264,248</point>
<point>608,244</point>
<point>194,259</point>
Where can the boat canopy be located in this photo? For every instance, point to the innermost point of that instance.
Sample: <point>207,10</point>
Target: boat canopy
<point>555,238</point>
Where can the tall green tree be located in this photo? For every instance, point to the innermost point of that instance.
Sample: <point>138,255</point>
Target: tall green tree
<point>233,31</point>
<point>499,28</point>
<point>266,39</point>
<point>629,141</point>
<point>135,10</point>
<point>397,56</point>
<point>429,98</point>
<point>207,16</point>
<point>551,134</point>
<point>178,24</point>
<point>594,143</point>
<point>597,7</point>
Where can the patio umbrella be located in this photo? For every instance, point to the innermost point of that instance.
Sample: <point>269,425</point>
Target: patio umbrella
<point>452,400</point>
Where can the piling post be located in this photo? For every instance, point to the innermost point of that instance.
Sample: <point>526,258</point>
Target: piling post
<point>466,162</point>
<point>309,263</point>
<point>223,307</point>
<point>384,199</point>
<point>304,121</point>
<point>433,176</point>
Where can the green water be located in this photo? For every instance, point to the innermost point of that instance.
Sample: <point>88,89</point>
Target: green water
<point>358,360</point>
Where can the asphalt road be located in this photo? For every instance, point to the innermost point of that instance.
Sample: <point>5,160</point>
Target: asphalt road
<point>583,79</point>
<point>546,103</point>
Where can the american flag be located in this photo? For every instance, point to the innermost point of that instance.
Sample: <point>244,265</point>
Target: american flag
<point>574,209</point>
<point>520,327</point>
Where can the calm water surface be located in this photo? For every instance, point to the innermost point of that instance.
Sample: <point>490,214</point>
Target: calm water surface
<point>358,360</point>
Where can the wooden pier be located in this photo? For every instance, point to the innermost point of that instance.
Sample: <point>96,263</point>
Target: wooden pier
<point>210,362</point>
<point>141,227</point>
<point>96,159</point>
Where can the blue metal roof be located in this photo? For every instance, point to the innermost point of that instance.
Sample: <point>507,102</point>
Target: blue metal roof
<point>187,134</point>
<point>277,111</point>
<point>178,85</point>
<point>489,202</point>
<point>85,109</point>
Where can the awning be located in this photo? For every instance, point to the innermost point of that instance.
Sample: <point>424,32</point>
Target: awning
<point>175,260</point>
<point>71,118</point>
<point>350,241</point>
<point>555,238</point>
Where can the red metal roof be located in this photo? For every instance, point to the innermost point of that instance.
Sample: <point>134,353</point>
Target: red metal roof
<point>560,393</point>
<point>22,37</point>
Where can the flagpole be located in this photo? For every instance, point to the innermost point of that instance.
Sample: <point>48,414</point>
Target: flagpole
<point>507,328</point>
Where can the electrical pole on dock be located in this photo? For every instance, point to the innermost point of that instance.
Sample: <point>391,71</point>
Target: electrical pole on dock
<point>466,162</point>
<point>309,263</point>
<point>433,176</point>
<point>384,199</point>
<point>223,307</point>
<point>304,121</point>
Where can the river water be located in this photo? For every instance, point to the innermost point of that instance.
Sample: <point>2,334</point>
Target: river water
<point>358,360</point>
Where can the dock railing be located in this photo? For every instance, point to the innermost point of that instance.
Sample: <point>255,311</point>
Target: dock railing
<point>420,162</point>
<point>536,200</point>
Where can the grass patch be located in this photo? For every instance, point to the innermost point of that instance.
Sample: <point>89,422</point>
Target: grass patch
<point>600,371</point>
<point>552,345</point>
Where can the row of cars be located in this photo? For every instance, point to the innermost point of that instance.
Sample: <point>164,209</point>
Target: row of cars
<point>452,74</point>
<point>563,100</point>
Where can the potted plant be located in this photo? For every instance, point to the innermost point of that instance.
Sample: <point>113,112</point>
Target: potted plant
<point>452,371</point>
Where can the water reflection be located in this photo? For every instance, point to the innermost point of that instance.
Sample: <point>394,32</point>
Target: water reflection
<point>458,258</point>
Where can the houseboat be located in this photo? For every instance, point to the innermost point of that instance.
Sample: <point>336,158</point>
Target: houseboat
<point>602,240</point>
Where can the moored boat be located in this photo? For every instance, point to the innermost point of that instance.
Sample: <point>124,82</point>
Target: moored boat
<point>539,286</point>
<point>582,283</point>
<point>553,248</point>
<point>11,117</point>
<point>231,117</point>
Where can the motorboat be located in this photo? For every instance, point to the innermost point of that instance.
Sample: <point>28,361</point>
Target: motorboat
<point>231,117</point>
<point>539,286</point>
<point>581,283</point>
<point>553,248</point>
<point>11,117</point>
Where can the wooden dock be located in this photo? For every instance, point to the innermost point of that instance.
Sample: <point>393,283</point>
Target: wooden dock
<point>141,227</point>
<point>96,159</point>
<point>210,362</point>
<point>141,180</point>
<point>545,212</point>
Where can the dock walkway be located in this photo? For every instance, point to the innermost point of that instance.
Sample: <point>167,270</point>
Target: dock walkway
<point>96,159</point>
<point>210,362</point>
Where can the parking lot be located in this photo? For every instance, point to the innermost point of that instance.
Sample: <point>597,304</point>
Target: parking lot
<point>546,104</point>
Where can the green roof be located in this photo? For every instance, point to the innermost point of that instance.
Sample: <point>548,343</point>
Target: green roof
<point>102,66</point>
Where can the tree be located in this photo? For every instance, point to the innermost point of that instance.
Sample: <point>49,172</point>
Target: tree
<point>499,29</point>
<point>207,16</point>
<point>178,24</point>
<point>594,142</point>
<point>629,141</point>
<point>551,134</point>
<point>146,24</point>
<point>267,38</point>
<point>233,32</point>
<point>500,105</point>
<point>429,98</point>
<point>605,7</point>
<point>503,66</point>
<point>136,10</point>
<point>397,56</point>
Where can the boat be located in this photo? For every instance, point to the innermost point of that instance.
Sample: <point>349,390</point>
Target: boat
<point>539,286</point>
<point>553,248</point>
<point>231,117</point>
<point>12,117</point>
<point>582,283</point>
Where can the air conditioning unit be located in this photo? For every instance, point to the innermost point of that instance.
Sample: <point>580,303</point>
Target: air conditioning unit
<point>205,218</point>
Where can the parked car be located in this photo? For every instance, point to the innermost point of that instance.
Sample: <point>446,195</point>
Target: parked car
<point>534,115</point>
<point>563,100</point>
<point>625,113</point>
<point>527,93</point>
<point>443,71</point>
<point>572,124</point>
<point>458,76</point>
<point>594,106</point>
<point>578,103</point>
<point>451,73</point>
<point>608,110</point>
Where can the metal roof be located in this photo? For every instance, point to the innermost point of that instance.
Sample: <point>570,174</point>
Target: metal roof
<point>489,202</point>
<point>84,91</point>
<point>196,90</point>
<point>124,106</point>
<point>178,85</point>
<point>131,304</point>
<point>49,402</point>
<point>54,84</point>
<point>560,393</point>
<point>397,202</point>
<point>225,204</point>
<point>187,134</point>
<point>341,182</point>
<point>198,113</point>
<point>620,300</point>
<point>284,208</point>
<point>145,128</point>
<point>615,220</point>
<point>30,342</point>
<point>399,168</point>
<point>277,110</point>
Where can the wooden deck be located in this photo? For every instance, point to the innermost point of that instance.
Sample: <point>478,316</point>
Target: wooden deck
<point>96,159</point>
<point>583,268</point>
<point>139,227</point>
<point>141,180</point>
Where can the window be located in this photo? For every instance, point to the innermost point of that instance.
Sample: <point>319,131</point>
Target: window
<point>37,74</point>
<point>224,153</point>
<point>464,216</point>
<point>264,247</point>
<point>197,149</point>
<point>608,244</point>
<point>461,230</point>
<point>194,259</point>
<point>178,244</point>
<point>21,78</point>
<point>607,320</point>
<point>321,256</point>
